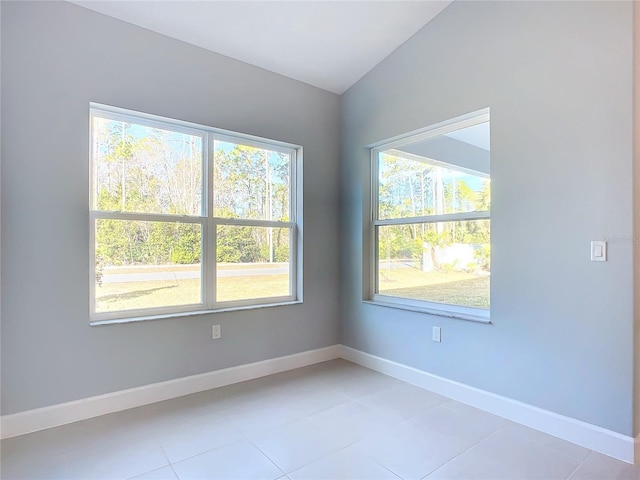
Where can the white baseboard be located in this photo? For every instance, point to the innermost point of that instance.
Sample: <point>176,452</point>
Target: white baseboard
<point>63,413</point>
<point>589,436</point>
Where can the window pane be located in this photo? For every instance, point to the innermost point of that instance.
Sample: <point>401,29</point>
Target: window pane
<point>445,262</point>
<point>146,170</point>
<point>250,182</point>
<point>147,264</point>
<point>443,174</point>
<point>252,262</point>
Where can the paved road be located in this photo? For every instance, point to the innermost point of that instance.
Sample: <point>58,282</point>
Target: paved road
<point>183,275</point>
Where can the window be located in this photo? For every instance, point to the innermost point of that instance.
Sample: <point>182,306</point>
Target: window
<point>188,218</point>
<point>431,219</point>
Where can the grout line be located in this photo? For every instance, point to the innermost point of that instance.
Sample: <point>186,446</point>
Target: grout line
<point>387,469</point>
<point>164,453</point>
<point>226,445</point>
<point>384,466</point>
<point>579,466</point>
<point>205,451</point>
<point>463,452</point>
<point>174,471</point>
<point>549,447</point>
<point>267,457</point>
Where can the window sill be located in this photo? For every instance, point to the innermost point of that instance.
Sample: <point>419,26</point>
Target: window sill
<point>164,316</point>
<point>440,312</point>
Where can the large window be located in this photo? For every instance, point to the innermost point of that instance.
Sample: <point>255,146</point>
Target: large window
<point>187,218</point>
<point>431,219</point>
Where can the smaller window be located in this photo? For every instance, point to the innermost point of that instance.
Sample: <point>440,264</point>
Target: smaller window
<point>431,219</point>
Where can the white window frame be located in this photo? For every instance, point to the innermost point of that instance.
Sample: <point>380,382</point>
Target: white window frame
<point>206,219</point>
<point>441,309</point>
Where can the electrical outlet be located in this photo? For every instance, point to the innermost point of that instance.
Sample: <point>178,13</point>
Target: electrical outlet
<point>216,333</point>
<point>436,334</point>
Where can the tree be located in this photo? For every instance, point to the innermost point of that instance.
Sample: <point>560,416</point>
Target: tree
<point>141,169</point>
<point>251,183</point>
<point>411,188</point>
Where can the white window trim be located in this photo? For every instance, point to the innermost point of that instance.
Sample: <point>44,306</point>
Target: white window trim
<point>205,218</point>
<point>432,308</point>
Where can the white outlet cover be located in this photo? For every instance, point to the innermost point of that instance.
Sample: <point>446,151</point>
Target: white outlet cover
<point>436,334</point>
<point>599,251</point>
<point>215,332</point>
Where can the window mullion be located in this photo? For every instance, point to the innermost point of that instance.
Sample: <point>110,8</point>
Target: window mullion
<point>210,245</point>
<point>373,215</point>
<point>145,217</point>
<point>245,222</point>
<point>92,265</point>
<point>292,230</point>
<point>445,217</point>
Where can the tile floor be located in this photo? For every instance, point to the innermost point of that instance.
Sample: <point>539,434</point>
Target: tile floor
<point>333,420</point>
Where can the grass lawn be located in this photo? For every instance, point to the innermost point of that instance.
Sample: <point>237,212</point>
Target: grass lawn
<point>456,288</point>
<point>160,293</point>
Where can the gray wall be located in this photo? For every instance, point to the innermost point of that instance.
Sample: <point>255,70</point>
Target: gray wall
<point>56,58</point>
<point>558,79</point>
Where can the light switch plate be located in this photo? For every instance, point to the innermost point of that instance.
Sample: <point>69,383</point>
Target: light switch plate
<point>598,251</point>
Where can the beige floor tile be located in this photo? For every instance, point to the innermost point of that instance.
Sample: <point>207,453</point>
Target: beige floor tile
<point>358,383</point>
<point>165,473</point>
<point>601,467</point>
<point>193,438</point>
<point>101,461</point>
<point>312,399</point>
<point>70,452</point>
<point>48,446</point>
<point>260,417</point>
<point>411,453</point>
<point>466,424</point>
<point>355,420</point>
<point>549,441</point>
<point>505,455</point>
<point>298,443</point>
<point>404,400</point>
<point>346,464</point>
<point>35,466</point>
<point>240,460</point>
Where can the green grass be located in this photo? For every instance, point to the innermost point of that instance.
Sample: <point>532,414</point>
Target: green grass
<point>253,286</point>
<point>112,297</point>
<point>455,288</point>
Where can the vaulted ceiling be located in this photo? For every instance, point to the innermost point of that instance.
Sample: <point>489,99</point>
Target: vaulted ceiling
<point>328,44</point>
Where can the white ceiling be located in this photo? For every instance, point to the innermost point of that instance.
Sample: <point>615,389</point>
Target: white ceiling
<point>330,44</point>
<point>476,135</point>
